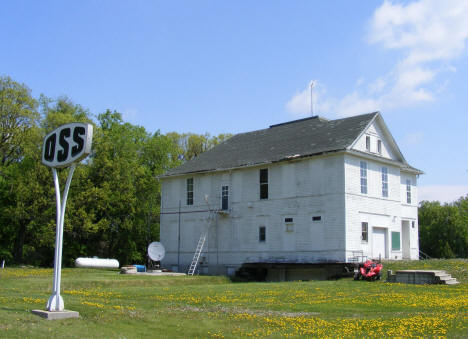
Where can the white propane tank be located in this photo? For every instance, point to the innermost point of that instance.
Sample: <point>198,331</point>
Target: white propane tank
<point>96,263</point>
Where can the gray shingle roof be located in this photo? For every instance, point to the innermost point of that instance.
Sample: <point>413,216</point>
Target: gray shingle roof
<point>299,138</point>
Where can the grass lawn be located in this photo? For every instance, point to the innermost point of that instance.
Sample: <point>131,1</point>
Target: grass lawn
<point>127,306</point>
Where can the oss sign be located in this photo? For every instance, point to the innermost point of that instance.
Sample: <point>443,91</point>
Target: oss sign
<point>67,144</point>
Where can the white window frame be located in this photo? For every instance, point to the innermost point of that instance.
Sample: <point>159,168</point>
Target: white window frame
<point>363,176</point>
<point>408,191</point>
<point>260,234</point>
<point>379,146</point>
<point>368,143</point>
<point>189,191</point>
<point>364,231</point>
<point>225,194</point>
<point>264,183</point>
<point>289,224</point>
<point>384,182</point>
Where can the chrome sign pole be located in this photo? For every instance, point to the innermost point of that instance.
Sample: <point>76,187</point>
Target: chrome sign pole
<point>55,302</point>
<point>65,146</point>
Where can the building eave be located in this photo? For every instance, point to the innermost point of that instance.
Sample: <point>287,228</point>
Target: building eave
<point>252,165</point>
<point>403,166</point>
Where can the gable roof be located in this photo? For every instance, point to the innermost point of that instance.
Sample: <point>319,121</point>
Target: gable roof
<point>281,142</point>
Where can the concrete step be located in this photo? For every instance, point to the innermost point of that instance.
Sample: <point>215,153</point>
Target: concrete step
<point>422,277</point>
<point>440,273</point>
<point>453,281</point>
<point>445,277</point>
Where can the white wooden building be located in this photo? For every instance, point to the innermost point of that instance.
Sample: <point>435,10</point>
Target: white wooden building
<point>306,191</point>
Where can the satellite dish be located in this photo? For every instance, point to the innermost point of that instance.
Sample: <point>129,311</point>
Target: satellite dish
<point>156,251</point>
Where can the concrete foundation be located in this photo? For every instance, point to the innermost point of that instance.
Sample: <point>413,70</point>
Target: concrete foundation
<point>294,271</point>
<point>56,315</point>
<point>154,273</point>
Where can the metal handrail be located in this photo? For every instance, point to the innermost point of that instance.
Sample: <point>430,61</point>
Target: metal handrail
<point>424,256</point>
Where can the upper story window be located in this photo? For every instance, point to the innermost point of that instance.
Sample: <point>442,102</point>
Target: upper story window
<point>384,182</point>
<point>379,146</point>
<point>368,143</point>
<point>363,177</point>
<point>190,191</point>
<point>408,191</point>
<point>264,183</point>
<point>224,198</point>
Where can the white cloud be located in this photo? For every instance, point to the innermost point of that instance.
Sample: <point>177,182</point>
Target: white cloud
<point>350,104</point>
<point>427,29</point>
<point>442,193</point>
<point>299,104</point>
<point>426,34</point>
<point>355,103</point>
<point>377,86</point>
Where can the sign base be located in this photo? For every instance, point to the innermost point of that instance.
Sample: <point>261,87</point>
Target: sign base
<point>56,315</point>
<point>52,304</point>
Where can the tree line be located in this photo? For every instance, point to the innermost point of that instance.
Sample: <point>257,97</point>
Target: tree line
<point>443,228</point>
<point>113,210</point>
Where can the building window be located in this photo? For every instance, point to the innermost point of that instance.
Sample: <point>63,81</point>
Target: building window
<point>190,191</point>
<point>379,146</point>
<point>262,234</point>
<point>364,231</point>
<point>384,182</point>
<point>288,220</point>
<point>224,198</point>
<point>264,183</point>
<point>289,224</point>
<point>395,241</point>
<point>408,191</point>
<point>363,177</point>
<point>317,218</point>
<point>368,143</point>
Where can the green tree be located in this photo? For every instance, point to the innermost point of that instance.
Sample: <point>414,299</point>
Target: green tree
<point>443,229</point>
<point>190,145</point>
<point>18,119</point>
<point>19,146</point>
<point>27,191</point>
<point>114,201</point>
<point>56,112</point>
<point>122,172</point>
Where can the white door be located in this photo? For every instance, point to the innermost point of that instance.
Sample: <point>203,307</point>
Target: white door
<point>379,243</point>
<point>405,239</point>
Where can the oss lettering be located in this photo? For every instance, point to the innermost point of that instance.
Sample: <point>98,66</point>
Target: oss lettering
<point>62,155</point>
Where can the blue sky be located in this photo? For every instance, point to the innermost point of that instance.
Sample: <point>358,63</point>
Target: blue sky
<point>219,66</point>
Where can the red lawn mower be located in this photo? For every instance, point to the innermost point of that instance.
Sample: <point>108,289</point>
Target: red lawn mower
<point>369,270</point>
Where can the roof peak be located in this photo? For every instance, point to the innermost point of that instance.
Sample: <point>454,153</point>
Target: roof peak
<point>322,119</point>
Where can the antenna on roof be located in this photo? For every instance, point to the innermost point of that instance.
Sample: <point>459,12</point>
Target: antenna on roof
<point>312,84</point>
